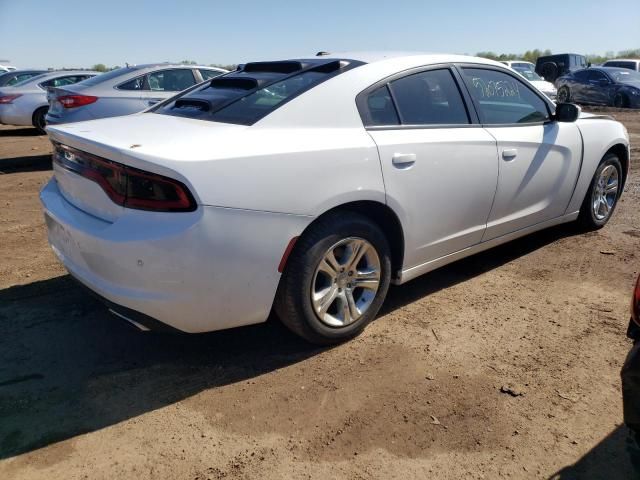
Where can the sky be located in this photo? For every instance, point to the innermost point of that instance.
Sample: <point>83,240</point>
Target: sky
<point>74,33</point>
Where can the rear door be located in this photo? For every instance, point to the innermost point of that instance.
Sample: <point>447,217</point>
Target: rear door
<point>440,169</point>
<point>600,87</point>
<point>539,160</point>
<point>162,84</point>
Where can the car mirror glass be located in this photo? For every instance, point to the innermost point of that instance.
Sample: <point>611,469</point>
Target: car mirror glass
<point>566,112</point>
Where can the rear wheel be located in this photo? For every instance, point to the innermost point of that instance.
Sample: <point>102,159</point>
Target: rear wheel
<point>602,196</point>
<point>564,95</point>
<point>620,100</point>
<point>335,280</point>
<point>38,119</point>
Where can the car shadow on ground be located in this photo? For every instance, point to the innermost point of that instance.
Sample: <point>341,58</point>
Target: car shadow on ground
<point>20,132</point>
<point>34,163</point>
<point>69,367</point>
<point>615,457</point>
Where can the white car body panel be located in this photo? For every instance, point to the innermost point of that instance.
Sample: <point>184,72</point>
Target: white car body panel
<point>535,185</point>
<point>421,192</point>
<point>259,187</point>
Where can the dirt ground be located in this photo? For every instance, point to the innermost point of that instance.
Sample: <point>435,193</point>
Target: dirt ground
<point>418,395</point>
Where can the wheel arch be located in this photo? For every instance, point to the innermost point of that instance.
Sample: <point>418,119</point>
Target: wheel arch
<point>622,152</point>
<point>383,216</point>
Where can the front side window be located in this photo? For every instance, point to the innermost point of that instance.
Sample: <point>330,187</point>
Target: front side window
<point>429,98</point>
<point>171,80</point>
<point>581,75</point>
<point>503,99</point>
<point>597,76</point>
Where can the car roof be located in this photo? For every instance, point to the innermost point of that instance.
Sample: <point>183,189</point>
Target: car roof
<point>170,65</point>
<point>623,60</point>
<point>380,56</point>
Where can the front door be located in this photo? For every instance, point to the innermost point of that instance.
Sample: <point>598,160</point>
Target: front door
<point>539,160</point>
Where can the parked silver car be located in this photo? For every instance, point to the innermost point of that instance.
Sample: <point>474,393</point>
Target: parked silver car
<point>14,77</point>
<point>26,104</point>
<point>124,91</point>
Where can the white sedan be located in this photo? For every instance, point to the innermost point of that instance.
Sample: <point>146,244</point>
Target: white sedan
<point>308,186</point>
<point>26,104</point>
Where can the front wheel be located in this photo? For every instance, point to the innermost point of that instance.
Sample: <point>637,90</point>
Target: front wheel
<point>564,95</point>
<point>602,196</point>
<point>335,280</point>
<point>620,101</point>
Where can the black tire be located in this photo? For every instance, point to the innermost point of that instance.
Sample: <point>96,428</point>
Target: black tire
<point>564,94</point>
<point>587,218</point>
<point>620,101</point>
<point>549,71</point>
<point>293,303</point>
<point>38,119</point>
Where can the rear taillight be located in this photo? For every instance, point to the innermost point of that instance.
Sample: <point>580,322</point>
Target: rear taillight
<point>635,303</point>
<point>8,99</point>
<point>73,101</point>
<point>127,186</point>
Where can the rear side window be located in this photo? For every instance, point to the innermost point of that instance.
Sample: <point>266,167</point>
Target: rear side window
<point>503,99</point>
<point>429,98</point>
<point>209,74</point>
<point>380,109</point>
<point>171,80</point>
<point>135,84</point>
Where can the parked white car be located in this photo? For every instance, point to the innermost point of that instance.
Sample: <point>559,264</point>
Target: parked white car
<point>528,71</point>
<point>310,185</point>
<point>123,91</point>
<point>26,104</point>
<point>630,63</point>
<point>7,68</point>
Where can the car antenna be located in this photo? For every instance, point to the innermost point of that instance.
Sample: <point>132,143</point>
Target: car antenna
<point>322,54</point>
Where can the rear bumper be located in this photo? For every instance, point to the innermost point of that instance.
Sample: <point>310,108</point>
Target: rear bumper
<point>199,271</point>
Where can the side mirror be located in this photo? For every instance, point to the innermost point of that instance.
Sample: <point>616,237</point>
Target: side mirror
<point>566,112</point>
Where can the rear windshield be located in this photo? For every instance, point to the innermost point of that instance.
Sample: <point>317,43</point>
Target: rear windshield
<point>246,95</point>
<point>103,77</point>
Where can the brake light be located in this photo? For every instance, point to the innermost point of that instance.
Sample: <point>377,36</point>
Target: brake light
<point>8,98</point>
<point>635,303</point>
<point>73,101</point>
<point>127,186</point>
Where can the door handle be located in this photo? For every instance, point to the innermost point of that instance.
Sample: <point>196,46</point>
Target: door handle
<point>509,153</point>
<point>153,101</point>
<point>403,160</point>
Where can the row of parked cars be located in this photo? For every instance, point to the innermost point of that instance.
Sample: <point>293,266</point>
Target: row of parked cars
<point>38,98</point>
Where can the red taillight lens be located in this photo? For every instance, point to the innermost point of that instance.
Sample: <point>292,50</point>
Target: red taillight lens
<point>127,186</point>
<point>8,99</point>
<point>635,303</point>
<point>72,101</point>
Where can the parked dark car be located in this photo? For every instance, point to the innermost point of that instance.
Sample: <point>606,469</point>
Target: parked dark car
<point>631,374</point>
<point>551,67</point>
<point>13,77</point>
<point>618,87</point>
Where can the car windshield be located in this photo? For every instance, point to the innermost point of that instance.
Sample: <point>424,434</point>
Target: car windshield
<point>528,74</point>
<point>625,76</point>
<point>103,77</point>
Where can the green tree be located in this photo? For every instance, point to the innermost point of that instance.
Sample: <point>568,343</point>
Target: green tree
<point>100,67</point>
<point>188,62</point>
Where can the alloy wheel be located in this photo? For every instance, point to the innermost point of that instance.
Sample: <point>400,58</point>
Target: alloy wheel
<point>345,282</point>
<point>605,193</point>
